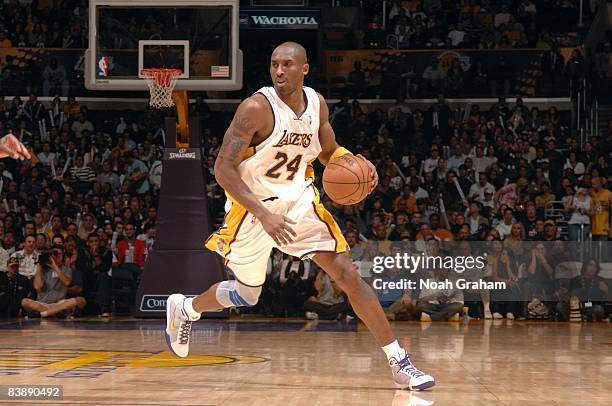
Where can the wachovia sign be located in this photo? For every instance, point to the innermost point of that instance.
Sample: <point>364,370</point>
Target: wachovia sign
<point>280,19</point>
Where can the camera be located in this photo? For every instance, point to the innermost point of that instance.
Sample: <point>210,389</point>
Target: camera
<point>44,258</point>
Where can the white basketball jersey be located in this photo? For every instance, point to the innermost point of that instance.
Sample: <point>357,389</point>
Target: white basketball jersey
<point>278,166</point>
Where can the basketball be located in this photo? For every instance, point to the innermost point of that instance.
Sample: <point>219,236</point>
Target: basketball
<point>347,179</point>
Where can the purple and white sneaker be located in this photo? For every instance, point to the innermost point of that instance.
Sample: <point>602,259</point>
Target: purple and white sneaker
<point>407,376</point>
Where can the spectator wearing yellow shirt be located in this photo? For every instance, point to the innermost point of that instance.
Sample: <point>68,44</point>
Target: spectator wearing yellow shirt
<point>405,202</point>
<point>545,197</point>
<point>4,41</point>
<point>600,218</point>
<point>56,227</point>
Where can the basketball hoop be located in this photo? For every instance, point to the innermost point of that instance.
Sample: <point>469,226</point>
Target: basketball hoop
<point>161,83</point>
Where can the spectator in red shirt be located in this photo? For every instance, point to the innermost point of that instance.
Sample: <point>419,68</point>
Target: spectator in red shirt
<point>131,250</point>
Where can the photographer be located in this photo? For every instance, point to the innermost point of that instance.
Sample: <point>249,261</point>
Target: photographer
<point>51,283</point>
<point>330,302</point>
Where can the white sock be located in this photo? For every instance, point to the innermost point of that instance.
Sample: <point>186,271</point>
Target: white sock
<point>193,315</point>
<point>43,314</point>
<point>394,350</point>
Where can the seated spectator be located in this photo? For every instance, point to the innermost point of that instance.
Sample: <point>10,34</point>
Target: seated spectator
<point>130,250</point>
<point>357,79</point>
<point>292,288</point>
<point>108,176</point>
<point>41,243</point>
<point>137,175</point>
<point>538,287</point>
<point>505,302</point>
<point>574,164</point>
<point>330,302</point>
<point>14,287</point>
<point>477,189</point>
<point>87,227</point>
<point>81,125</point>
<point>5,42</point>
<point>600,218</point>
<point>4,257</point>
<point>550,231</point>
<point>588,293</point>
<point>433,76</point>
<point>442,233</point>
<point>356,249</point>
<point>8,242</point>
<point>57,228</point>
<point>81,176</point>
<point>579,207</point>
<point>474,219</point>
<point>440,304</point>
<point>54,78</point>
<point>397,303</point>
<point>27,257</point>
<point>505,226</point>
<point>95,264</point>
<point>546,197</point>
<point>148,237</point>
<point>51,283</point>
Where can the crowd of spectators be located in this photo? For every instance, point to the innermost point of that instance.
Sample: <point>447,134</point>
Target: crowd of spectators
<point>483,24</point>
<point>81,213</point>
<point>88,198</point>
<point>476,24</point>
<point>507,174</point>
<point>43,24</point>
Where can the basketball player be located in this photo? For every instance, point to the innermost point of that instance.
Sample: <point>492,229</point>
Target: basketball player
<point>264,165</point>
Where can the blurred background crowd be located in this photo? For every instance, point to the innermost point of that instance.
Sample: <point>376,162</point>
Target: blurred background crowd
<point>496,171</point>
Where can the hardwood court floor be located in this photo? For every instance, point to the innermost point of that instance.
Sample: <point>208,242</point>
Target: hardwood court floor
<point>264,362</point>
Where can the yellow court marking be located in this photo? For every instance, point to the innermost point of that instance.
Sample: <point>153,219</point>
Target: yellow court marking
<point>66,359</point>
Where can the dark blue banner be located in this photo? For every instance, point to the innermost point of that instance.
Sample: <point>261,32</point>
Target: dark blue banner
<point>280,19</point>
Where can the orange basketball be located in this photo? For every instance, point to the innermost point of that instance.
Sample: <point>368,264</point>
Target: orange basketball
<point>347,179</point>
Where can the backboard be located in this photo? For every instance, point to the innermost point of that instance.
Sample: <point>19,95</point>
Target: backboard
<point>199,37</point>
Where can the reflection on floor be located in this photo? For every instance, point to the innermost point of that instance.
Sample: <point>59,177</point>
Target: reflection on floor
<point>292,362</point>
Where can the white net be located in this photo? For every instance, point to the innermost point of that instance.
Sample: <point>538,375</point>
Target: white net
<point>161,84</point>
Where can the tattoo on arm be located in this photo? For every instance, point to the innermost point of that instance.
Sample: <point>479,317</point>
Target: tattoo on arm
<point>238,134</point>
<point>242,124</point>
<point>231,147</point>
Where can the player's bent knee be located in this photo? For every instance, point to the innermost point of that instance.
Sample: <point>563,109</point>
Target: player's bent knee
<point>350,280</point>
<point>234,293</point>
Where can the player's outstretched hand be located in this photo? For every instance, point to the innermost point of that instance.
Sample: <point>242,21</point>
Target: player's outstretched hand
<point>278,227</point>
<point>11,147</point>
<point>372,171</point>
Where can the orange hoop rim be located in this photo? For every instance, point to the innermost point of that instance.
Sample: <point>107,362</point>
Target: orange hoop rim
<point>162,75</point>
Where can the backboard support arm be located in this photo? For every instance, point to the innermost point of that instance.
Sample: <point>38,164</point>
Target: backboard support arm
<point>181,100</point>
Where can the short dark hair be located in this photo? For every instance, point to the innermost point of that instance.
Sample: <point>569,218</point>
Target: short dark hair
<point>61,237</point>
